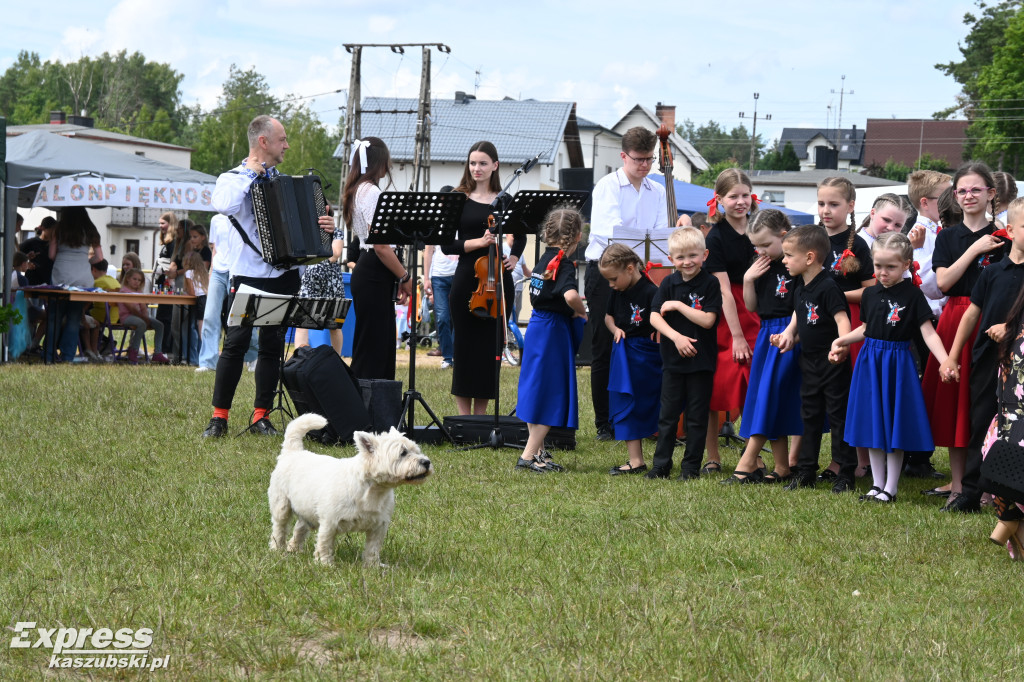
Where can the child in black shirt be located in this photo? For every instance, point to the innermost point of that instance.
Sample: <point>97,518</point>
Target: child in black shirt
<point>686,308</point>
<point>820,316</point>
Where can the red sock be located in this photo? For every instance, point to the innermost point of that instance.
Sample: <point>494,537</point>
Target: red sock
<point>258,413</point>
<point>220,412</point>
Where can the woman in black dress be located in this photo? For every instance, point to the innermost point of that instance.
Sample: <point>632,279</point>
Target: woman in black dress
<point>474,337</point>
<point>378,268</point>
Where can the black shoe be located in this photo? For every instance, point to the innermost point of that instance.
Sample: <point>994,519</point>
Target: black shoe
<point>263,427</point>
<point>711,467</point>
<point>688,475</point>
<point>657,473</point>
<point>921,470</point>
<point>619,471</point>
<point>884,498</point>
<point>801,482</point>
<point>544,457</point>
<point>843,485</point>
<point>963,504</point>
<point>827,475</point>
<point>868,497</point>
<point>744,478</point>
<point>217,427</point>
<point>935,492</point>
<point>604,432</point>
<point>532,465</point>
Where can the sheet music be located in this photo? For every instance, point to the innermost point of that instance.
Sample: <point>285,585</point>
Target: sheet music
<point>269,314</point>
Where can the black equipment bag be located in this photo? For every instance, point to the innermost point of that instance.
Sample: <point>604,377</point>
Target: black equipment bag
<point>382,399</point>
<point>1002,470</point>
<point>476,428</point>
<point>319,381</point>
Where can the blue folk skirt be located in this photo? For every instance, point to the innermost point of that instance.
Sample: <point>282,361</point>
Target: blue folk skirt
<point>547,378</point>
<point>772,406</point>
<point>634,388</point>
<point>886,408</point>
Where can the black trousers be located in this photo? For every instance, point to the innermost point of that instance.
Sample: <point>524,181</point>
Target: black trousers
<point>825,389</point>
<point>598,292</point>
<point>374,339</point>
<point>984,405</point>
<point>690,392</point>
<point>236,344</point>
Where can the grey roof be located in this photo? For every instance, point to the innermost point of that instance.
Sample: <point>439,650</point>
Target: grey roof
<point>519,129</point>
<point>814,177</point>
<point>851,141</point>
<point>689,151</point>
<point>73,130</point>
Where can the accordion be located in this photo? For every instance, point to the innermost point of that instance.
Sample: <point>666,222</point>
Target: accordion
<point>286,210</point>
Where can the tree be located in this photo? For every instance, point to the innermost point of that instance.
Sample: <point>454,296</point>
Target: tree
<point>892,170</point>
<point>786,160</point>
<point>998,128</point>
<point>715,144</point>
<point>929,162</point>
<point>708,177</point>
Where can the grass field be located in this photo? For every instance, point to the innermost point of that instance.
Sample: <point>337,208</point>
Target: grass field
<point>118,515</point>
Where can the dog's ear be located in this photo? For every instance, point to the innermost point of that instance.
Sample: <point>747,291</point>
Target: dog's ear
<point>366,442</point>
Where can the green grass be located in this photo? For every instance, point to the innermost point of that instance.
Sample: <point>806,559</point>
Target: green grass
<point>116,514</point>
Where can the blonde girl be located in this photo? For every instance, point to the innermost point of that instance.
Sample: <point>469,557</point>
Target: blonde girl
<point>634,382</point>
<point>197,282</point>
<point>547,380</point>
<point>136,316</point>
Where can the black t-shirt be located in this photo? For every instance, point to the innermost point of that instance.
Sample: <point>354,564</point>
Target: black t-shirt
<point>816,304</point>
<point>994,292</point>
<point>728,251</point>
<point>951,243</point>
<point>861,251</point>
<point>894,313</point>
<point>775,292</point>
<point>205,254</point>
<point>40,274</point>
<point>549,294</point>
<point>631,309</point>
<point>703,292</point>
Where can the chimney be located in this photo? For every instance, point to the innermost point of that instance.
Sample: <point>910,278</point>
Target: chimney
<point>83,120</point>
<point>57,118</point>
<point>667,115</point>
<point>462,98</point>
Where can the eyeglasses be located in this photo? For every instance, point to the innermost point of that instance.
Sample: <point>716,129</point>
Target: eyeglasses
<point>973,191</point>
<point>643,160</point>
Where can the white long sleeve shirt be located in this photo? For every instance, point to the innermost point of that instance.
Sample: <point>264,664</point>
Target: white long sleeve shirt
<point>923,256</point>
<point>620,213</point>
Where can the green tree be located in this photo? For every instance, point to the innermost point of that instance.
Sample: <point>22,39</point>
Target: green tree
<point>786,160</point>
<point>707,178</point>
<point>892,170</point>
<point>997,128</point>
<point>929,162</point>
<point>716,144</point>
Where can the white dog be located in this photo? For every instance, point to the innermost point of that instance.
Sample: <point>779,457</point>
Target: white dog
<point>354,494</point>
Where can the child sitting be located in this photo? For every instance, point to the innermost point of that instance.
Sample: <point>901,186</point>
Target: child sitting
<point>136,316</point>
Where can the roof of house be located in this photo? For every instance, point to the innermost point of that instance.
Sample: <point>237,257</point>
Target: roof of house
<point>79,131</point>
<point>851,141</point>
<point>813,178</point>
<point>689,151</point>
<point>519,129</point>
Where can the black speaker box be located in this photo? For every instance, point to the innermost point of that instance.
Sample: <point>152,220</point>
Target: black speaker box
<point>476,428</point>
<point>319,381</point>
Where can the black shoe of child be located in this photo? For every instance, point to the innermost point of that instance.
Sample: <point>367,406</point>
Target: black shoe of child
<point>688,475</point>
<point>801,482</point>
<point>217,427</point>
<point>843,485</point>
<point>657,473</point>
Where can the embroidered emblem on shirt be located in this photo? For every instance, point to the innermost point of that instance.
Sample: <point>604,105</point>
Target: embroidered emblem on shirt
<point>894,312</point>
<point>836,259</point>
<point>781,290</point>
<point>636,318</point>
<point>536,284</point>
<point>695,301</point>
<point>985,260</point>
<point>812,313</point>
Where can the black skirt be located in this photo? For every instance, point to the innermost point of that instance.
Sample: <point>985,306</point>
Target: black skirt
<point>374,338</point>
<point>475,343</point>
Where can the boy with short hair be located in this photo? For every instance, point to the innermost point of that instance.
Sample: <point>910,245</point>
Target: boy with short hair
<point>685,311</point>
<point>991,299</point>
<point>820,317</point>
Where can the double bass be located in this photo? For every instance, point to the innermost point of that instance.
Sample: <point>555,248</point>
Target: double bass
<point>665,161</point>
<point>484,301</point>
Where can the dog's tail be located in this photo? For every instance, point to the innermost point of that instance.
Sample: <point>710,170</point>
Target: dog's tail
<point>298,428</point>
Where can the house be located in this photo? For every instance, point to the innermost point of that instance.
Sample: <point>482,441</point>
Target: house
<point>815,147</point>
<point>601,147</point>
<point>121,229</point>
<point>907,140</point>
<point>519,129</point>
<point>799,189</point>
<point>686,159</point>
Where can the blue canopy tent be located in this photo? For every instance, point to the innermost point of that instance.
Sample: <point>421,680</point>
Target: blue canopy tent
<point>693,198</point>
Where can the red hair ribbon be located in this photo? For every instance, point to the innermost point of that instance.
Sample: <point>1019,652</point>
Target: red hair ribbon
<point>555,262</point>
<point>1001,233</point>
<point>914,277</point>
<point>846,254</point>
<point>753,197</point>
<point>712,207</point>
<point>648,268</point>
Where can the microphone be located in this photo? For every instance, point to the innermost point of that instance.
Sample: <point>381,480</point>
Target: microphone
<point>531,163</point>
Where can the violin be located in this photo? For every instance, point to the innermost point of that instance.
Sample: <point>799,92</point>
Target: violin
<point>484,301</point>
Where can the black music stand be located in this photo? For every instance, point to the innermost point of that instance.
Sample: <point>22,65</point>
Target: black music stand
<point>416,219</point>
<point>255,308</point>
<point>525,213</point>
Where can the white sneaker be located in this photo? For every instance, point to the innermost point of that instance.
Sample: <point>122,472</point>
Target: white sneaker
<point>203,369</point>
<point>252,365</point>
<point>445,364</point>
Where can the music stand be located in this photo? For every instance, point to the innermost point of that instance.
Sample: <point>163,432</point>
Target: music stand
<point>416,219</point>
<point>254,308</point>
<point>525,214</point>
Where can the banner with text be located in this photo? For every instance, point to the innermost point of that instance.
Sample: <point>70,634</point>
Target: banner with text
<point>120,192</point>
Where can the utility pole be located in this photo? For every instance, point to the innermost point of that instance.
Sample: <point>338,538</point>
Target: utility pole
<point>753,135</point>
<point>421,156</point>
<point>839,121</point>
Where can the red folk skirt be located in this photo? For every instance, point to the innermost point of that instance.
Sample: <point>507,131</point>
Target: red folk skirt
<point>731,377</point>
<point>948,405</point>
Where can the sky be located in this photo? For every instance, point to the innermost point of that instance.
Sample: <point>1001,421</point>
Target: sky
<point>706,59</point>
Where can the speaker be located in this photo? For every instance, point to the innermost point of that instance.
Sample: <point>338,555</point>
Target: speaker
<point>579,179</point>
